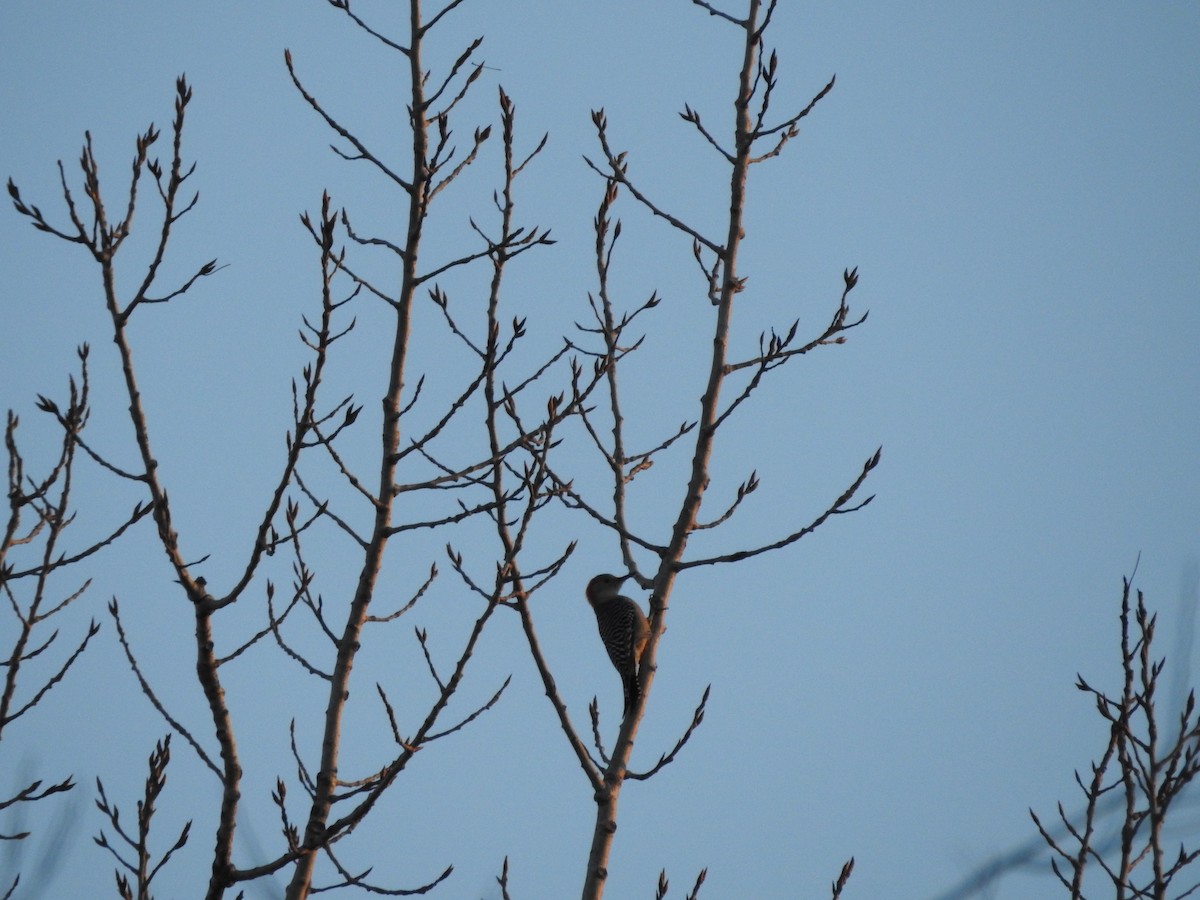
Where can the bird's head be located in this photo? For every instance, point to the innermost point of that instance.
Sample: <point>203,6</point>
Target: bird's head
<point>604,587</point>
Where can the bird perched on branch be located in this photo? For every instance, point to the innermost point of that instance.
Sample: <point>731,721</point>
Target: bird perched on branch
<point>623,629</point>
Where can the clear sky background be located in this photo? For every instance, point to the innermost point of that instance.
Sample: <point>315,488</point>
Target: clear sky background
<point>1019,185</point>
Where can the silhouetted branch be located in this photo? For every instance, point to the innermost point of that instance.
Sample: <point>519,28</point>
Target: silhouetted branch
<point>1151,771</point>
<point>31,793</point>
<point>363,152</point>
<point>843,878</point>
<point>838,507</point>
<point>359,881</point>
<point>713,11</point>
<point>344,6</point>
<point>667,758</point>
<point>597,740</point>
<point>420,592</point>
<point>27,588</point>
<point>54,679</point>
<point>475,714</point>
<point>618,171</point>
<point>140,867</point>
<point>747,487</point>
<point>690,115</point>
<point>149,692</point>
<point>664,885</point>
<point>502,880</point>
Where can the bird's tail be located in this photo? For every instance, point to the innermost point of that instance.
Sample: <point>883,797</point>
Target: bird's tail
<point>633,691</point>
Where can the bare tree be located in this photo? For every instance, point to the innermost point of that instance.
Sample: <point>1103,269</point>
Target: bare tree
<point>655,563</point>
<point>1148,763</point>
<point>141,867</point>
<point>486,454</point>
<point>456,479</point>
<point>38,551</point>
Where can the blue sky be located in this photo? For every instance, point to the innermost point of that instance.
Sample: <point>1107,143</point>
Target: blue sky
<point>1018,185</point>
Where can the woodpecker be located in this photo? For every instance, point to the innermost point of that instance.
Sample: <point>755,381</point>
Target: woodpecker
<point>623,629</point>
